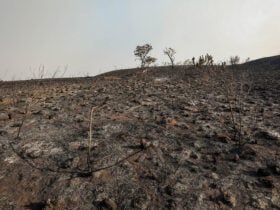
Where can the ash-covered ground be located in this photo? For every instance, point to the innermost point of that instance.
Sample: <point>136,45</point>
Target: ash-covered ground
<point>162,138</point>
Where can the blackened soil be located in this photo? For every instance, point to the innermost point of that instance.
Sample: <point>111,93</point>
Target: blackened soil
<point>162,138</point>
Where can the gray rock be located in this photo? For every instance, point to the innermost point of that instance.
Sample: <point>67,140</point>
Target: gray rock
<point>265,135</point>
<point>4,116</point>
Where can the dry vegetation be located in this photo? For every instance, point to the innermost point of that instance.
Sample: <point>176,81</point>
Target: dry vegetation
<point>165,138</point>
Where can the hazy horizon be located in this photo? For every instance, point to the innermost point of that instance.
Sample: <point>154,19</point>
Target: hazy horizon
<point>94,36</point>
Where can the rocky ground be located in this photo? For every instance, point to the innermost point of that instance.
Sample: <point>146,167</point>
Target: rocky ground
<point>162,138</point>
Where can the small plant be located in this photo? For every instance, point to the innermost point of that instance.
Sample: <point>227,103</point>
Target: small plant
<point>234,60</point>
<point>141,52</point>
<point>237,88</point>
<point>40,73</point>
<point>150,60</point>
<point>209,61</point>
<point>193,61</point>
<point>203,60</point>
<point>58,73</point>
<point>30,101</point>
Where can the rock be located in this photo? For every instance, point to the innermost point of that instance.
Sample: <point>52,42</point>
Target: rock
<point>276,169</point>
<point>194,155</point>
<point>263,172</point>
<point>265,135</point>
<point>36,112</point>
<point>147,102</point>
<point>45,112</point>
<point>247,153</point>
<point>260,204</point>
<point>171,122</point>
<point>76,145</point>
<point>214,176</point>
<point>229,198</point>
<point>109,204</point>
<point>144,144</point>
<point>155,143</point>
<point>34,153</point>
<point>14,109</point>
<point>221,137</point>
<point>3,133</point>
<point>55,108</point>
<point>233,157</point>
<point>55,151</point>
<point>79,118</point>
<point>168,190</point>
<point>4,116</point>
<point>275,198</point>
<point>267,183</point>
<point>11,159</point>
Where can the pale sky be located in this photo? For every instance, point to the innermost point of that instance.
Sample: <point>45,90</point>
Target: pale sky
<point>95,36</point>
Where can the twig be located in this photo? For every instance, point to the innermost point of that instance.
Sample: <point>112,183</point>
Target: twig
<point>23,119</point>
<point>90,139</point>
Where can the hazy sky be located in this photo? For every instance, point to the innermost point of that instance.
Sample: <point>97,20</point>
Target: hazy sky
<point>95,36</point>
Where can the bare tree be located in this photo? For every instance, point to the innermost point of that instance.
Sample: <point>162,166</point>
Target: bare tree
<point>234,60</point>
<point>142,53</point>
<point>209,59</point>
<point>247,60</point>
<point>193,61</point>
<point>40,73</point>
<point>206,60</point>
<point>149,60</point>
<point>224,64</point>
<point>171,55</point>
<point>201,61</point>
<point>57,71</point>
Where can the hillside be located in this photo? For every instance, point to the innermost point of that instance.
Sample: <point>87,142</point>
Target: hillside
<point>162,138</point>
<point>270,63</point>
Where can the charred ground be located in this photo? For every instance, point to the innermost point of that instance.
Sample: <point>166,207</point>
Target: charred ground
<point>163,138</point>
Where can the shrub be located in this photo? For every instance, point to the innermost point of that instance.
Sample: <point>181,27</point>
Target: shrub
<point>141,52</point>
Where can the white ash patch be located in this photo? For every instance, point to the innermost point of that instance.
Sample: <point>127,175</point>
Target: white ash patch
<point>11,159</point>
<point>78,145</point>
<point>55,151</point>
<point>274,133</point>
<point>161,79</point>
<point>110,129</point>
<point>39,148</point>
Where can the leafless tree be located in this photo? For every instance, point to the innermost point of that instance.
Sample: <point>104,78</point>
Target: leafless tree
<point>171,55</point>
<point>201,61</point>
<point>206,60</point>
<point>209,59</point>
<point>193,61</point>
<point>234,60</point>
<point>57,71</point>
